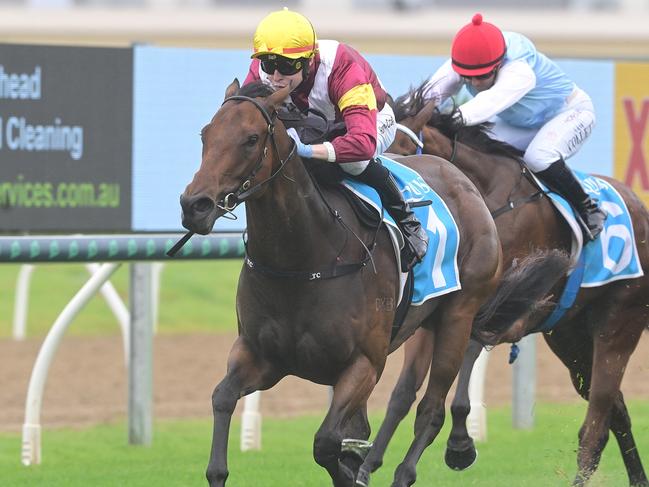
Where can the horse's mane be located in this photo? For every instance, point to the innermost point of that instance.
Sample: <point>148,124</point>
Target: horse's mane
<point>256,89</point>
<point>410,104</point>
<point>476,136</point>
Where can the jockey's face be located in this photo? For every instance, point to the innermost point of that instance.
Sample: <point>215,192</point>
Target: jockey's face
<point>277,76</point>
<point>483,82</point>
<point>279,80</point>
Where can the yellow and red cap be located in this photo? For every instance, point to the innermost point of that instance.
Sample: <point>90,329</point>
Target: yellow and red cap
<point>285,33</point>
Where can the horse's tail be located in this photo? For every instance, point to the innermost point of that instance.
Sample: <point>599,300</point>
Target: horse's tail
<point>522,292</point>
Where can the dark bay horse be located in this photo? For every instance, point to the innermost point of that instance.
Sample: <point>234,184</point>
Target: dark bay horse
<point>594,339</point>
<point>316,298</point>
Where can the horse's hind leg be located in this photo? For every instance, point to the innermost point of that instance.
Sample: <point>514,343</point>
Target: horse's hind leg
<point>418,351</point>
<point>245,374</point>
<point>349,398</point>
<point>621,428</point>
<point>460,449</point>
<point>613,345</point>
<point>451,338</point>
<point>596,367</point>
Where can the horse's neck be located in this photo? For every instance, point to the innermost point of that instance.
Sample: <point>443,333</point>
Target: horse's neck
<point>289,224</point>
<point>486,171</point>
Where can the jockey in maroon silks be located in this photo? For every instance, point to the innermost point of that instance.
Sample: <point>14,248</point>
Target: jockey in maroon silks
<point>334,79</point>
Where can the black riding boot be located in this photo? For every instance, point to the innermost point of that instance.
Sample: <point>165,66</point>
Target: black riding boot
<point>377,176</point>
<point>560,178</point>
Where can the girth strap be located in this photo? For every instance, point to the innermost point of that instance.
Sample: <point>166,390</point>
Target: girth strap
<point>336,271</point>
<point>512,204</point>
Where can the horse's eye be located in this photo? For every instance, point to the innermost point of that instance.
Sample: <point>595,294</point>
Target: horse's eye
<point>252,140</point>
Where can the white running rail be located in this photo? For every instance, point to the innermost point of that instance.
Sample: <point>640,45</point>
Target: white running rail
<point>31,445</point>
<point>251,423</point>
<point>476,422</point>
<point>21,301</point>
<point>21,306</point>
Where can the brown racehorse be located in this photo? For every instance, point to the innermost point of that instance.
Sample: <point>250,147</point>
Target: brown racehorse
<point>318,290</point>
<point>594,339</point>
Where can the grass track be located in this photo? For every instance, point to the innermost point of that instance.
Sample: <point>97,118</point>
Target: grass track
<point>199,297</point>
<point>195,296</point>
<point>543,457</point>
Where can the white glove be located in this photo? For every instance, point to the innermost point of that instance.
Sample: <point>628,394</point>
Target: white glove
<point>303,150</point>
<point>458,119</point>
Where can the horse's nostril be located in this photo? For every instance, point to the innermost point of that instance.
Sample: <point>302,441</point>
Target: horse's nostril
<point>202,205</point>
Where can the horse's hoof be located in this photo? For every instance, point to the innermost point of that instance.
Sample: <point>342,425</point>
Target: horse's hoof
<point>460,460</point>
<point>363,478</point>
<point>404,476</point>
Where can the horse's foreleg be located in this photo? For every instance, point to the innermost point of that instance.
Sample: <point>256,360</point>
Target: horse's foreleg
<point>460,449</point>
<point>245,375</point>
<point>349,398</point>
<point>621,428</point>
<point>451,338</point>
<point>418,351</point>
<point>355,445</point>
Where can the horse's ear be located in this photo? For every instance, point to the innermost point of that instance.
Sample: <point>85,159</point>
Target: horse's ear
<point>232,89</point>
<point>424,115</point>
<point>277,98</point>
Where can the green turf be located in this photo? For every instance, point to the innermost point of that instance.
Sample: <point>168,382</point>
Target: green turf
<point>195,296</point>
<point>99,456</point>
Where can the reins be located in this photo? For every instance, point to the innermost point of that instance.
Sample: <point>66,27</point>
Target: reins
<point>511,203</point>
<point>232,200</point>
<point>246,190</point>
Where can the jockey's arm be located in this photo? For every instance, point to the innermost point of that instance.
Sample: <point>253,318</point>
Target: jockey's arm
<point>358,108</point>
<point>357,144</point>
<point>320,151</point>
<point>442,84</point>
<point>513,82</point>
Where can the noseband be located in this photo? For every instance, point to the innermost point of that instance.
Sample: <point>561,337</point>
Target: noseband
<point>245,191</point>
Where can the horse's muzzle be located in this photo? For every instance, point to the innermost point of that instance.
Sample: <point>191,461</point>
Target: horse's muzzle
<point>198,213</point>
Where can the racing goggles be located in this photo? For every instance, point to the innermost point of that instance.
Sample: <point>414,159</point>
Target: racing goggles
<point>481,76</point>
<point>285,66</point>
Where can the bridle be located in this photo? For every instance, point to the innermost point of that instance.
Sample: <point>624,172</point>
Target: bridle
<point>246,190</point>
<point>231,200</point>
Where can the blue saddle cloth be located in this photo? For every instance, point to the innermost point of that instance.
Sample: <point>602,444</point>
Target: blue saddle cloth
<point>437,273</point>
<point>613,254</point>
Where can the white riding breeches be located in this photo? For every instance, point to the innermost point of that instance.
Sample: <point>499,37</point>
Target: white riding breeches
<point>560,138</point>
<point>386,130</point>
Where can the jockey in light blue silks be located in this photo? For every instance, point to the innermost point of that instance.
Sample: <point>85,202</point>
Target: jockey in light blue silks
<point>533,104</point>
